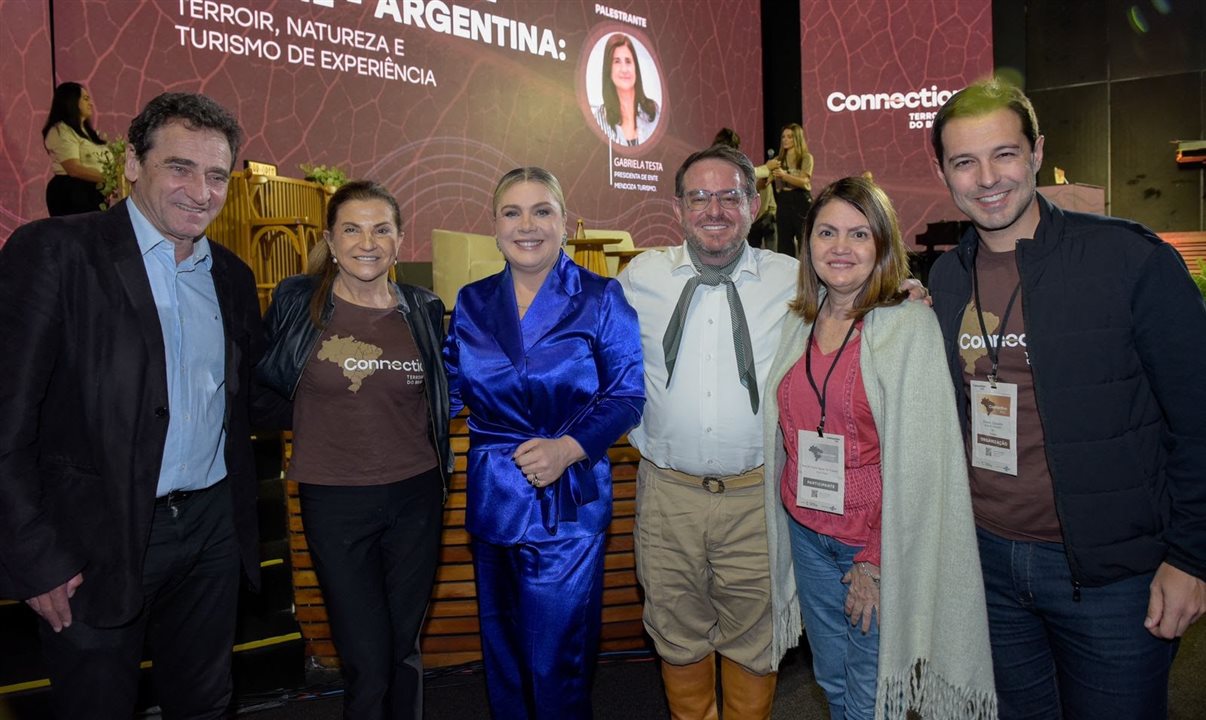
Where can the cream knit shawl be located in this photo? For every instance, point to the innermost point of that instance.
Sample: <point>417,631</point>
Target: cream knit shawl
<point>934,655</point>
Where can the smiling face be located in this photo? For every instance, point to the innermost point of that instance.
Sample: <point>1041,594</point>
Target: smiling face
<point>623,68</point>
<point>716,233</point>
<point>364,241</point>
<point>842,250</point>
<point>529,226</point>
<point>181,182</point>
<point>990,171</point>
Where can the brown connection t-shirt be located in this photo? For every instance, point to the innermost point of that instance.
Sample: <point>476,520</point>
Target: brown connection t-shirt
<point>1022,507</point>
<point>360,414</point>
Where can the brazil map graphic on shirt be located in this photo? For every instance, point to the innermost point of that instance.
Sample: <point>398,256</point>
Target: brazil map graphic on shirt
<point>338,350</point>
<point>971,343</point>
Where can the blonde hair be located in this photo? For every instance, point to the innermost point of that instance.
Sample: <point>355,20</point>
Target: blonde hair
<point>795,157</point>
<point>529,174</point>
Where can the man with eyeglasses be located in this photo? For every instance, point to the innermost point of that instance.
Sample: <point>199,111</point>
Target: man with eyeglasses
<point>711,541</point>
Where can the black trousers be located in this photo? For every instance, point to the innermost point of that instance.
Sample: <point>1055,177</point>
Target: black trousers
<point>791,210</point>
<point>375,550</point>
<point>66,195</point>
<point>190,583</point>
<point>762,230</point>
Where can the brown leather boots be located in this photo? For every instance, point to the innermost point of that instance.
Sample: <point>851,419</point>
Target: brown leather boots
<point>691,690</point>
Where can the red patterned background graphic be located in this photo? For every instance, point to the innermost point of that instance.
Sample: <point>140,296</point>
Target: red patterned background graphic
<point>439,147</point>
<point>884,47</point>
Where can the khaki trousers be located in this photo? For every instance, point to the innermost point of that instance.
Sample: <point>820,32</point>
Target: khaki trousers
<point>702,559</point>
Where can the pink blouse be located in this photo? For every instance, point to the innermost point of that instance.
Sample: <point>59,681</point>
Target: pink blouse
<point>848,414</point>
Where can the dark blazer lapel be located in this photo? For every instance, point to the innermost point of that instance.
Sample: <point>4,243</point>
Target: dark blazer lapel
<point>556,299</point>
<point>224,289</point>
<point>500,317</point>
<point>118,234</point>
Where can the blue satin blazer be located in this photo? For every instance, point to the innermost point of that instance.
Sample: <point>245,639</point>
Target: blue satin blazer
<point>572,366</point>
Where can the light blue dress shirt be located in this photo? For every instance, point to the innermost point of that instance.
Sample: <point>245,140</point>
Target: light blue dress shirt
<point>194,347</point>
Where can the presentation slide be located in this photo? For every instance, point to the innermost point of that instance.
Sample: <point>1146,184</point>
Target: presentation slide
<point>26,85</point>
<point>874,75</point>
<point>435,99</point>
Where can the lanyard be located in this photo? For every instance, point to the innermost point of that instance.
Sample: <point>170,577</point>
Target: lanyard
<point>993,350</point>
<point>808,366</point>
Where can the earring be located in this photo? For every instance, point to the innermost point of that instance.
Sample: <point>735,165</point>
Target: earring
<point>564,238</point>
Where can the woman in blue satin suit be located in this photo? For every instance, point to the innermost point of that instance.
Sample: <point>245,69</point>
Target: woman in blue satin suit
<point>547,358</point>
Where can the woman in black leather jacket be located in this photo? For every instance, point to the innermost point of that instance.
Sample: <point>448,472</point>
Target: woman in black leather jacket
<point>358,356</point>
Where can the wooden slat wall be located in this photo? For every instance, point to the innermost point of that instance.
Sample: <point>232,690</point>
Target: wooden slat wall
<point>271,223</point>
<point>1191,245</point>
<point>450,636</point>
<point>229,228</point>
<point>276,253</point>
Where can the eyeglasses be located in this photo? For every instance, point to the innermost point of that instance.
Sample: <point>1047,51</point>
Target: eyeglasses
<point>701,199</point>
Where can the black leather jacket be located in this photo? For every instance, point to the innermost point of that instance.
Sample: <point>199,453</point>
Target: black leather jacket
<point>291,338</point>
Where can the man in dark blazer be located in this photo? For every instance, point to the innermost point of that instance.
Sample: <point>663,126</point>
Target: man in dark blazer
<point>127,489</point>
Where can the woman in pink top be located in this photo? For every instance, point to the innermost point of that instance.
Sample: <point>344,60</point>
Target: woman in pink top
<point>868,460</point>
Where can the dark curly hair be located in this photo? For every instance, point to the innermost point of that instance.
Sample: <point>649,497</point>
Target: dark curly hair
<point>196,111</point>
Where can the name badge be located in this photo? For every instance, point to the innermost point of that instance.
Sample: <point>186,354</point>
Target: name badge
<point>821,472</point>
<point>994,412</point>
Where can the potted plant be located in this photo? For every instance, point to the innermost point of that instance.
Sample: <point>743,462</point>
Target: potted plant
<point>113,168</point>
<point>330,177</point>
<point>1200,277</point>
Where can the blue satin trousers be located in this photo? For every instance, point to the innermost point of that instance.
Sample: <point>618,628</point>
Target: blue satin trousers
<point>540,606</point>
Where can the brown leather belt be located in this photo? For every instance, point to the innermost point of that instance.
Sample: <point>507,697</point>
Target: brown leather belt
<point>715,483</point>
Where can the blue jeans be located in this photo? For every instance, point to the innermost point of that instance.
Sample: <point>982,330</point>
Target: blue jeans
<point>844,660</point>
<point>1058,657</point>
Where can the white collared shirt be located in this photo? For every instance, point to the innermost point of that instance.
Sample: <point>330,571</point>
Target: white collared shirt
<point>702,424</point>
